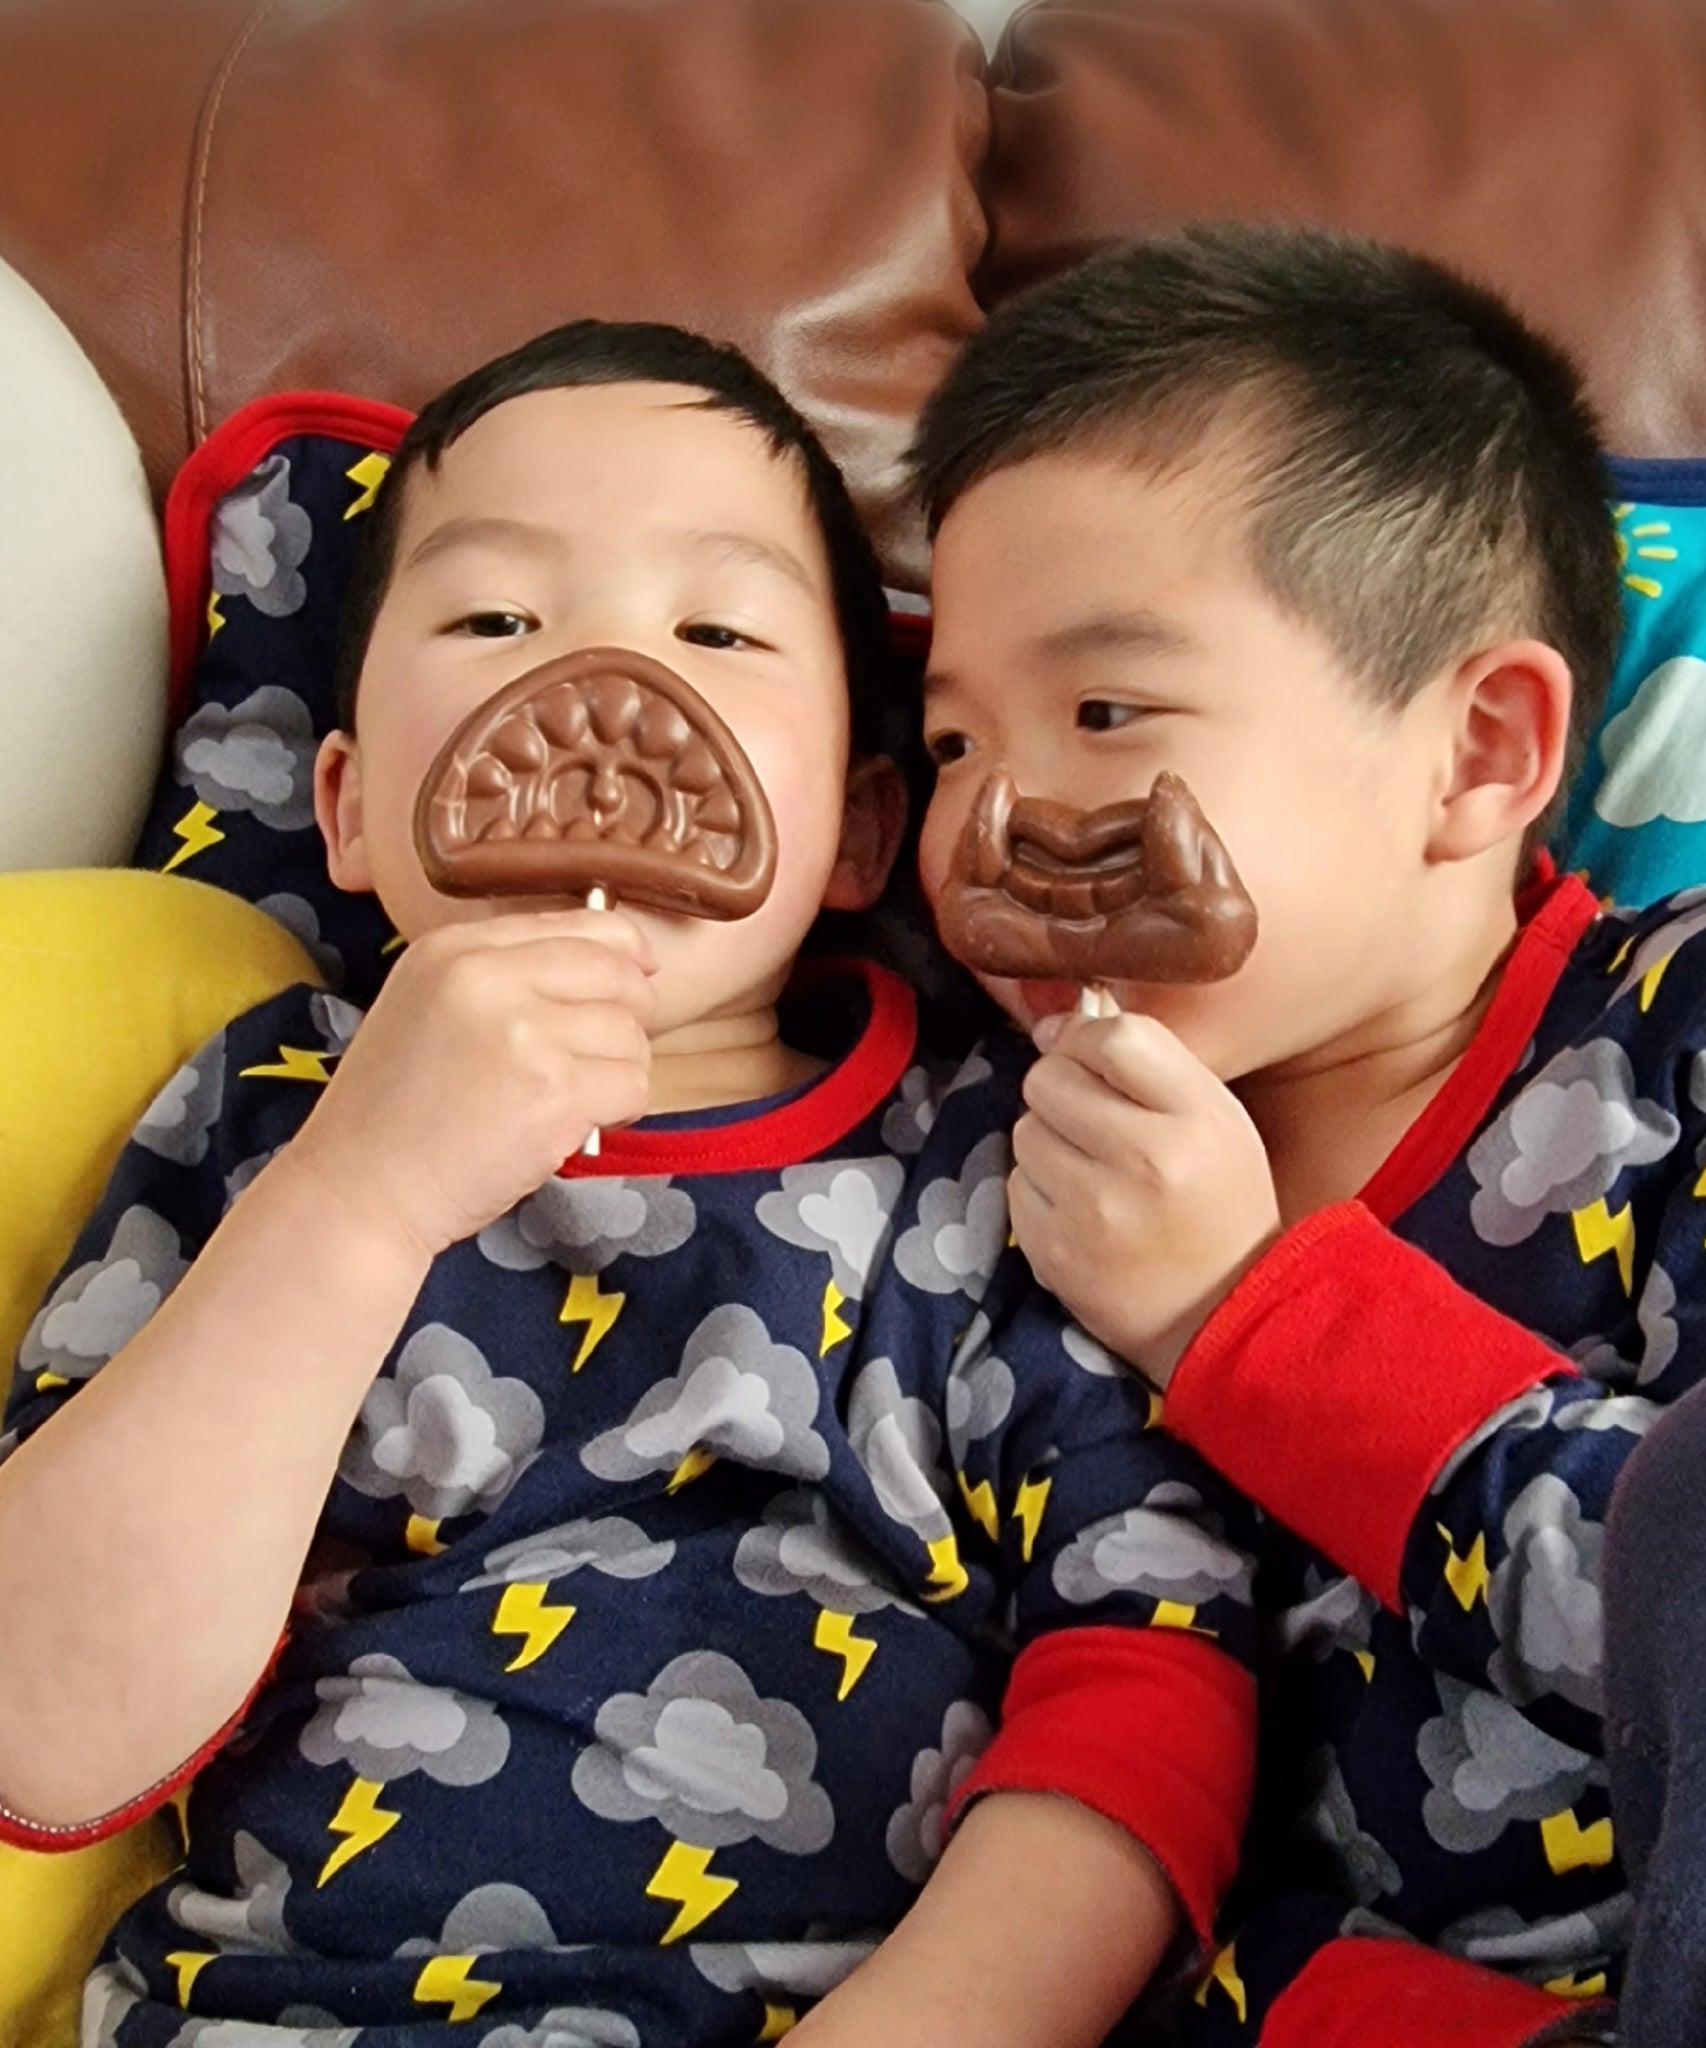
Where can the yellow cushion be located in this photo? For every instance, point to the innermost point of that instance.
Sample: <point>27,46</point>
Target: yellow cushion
<point>108,982</point>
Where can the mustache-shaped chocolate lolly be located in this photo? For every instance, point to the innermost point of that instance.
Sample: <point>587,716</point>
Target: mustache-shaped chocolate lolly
<point>1137,891</point>
<point>602,774</point>
<point>599,771</point>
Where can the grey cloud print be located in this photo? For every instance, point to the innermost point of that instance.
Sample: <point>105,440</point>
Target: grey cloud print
<point>917,1831</point>
<point>490,1918</point>
<point>255,757</point>
<point>246,2034</point>
<point>803,1546</point>
<point>1563,1142</point>
<point>978,1397</point>
<point>260,540</point>
<point>385,1725</point>
<point>583,1225</point>
<point>251,1922</point>
<point>1088,1355</point>
<point>1544,1599</point>
<point>1529,1410</point>
<point>961,1232</point>
<point>736,1393</point>
<point>336,1021</point>
<point>1161,1549</point>
<point>1335,1614</point>
<point>1368,1872</point>
<point>1551,1946</point>
<point>908,1123</point>
<point>1687,921</point>
<point>843,1207</point>
<point>610,1544</point>
<point>798,1969</point>
<point>1491,1766</point>
<point>178,1123</point>
<point>898,1441</point>
<point>709,1760</point>
<point>444,1433</point>
<point>568,2026</point>
<point>302,921</point>
<point>99,1306</point>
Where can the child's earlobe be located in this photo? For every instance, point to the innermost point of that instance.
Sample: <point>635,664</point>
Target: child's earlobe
<point>872,827</point>
<point>337,809</point>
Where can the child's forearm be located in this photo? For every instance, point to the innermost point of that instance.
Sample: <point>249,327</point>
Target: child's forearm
<point>152,1534</point>
<point>1042,1923</point>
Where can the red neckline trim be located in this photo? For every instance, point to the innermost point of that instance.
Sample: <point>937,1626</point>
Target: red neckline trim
<point>1560,912</point>
<point>219,465</point>
<point>798,1130</point>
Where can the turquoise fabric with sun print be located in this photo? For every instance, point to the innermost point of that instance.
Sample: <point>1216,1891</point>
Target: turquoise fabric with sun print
<point>1637,817</point>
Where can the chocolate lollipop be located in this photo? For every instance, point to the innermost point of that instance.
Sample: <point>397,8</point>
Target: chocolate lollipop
<point>1137,891</point>
<point>601,774</point>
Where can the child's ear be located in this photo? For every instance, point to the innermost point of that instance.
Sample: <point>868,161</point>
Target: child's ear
<point>337,807</point>
<point>1509,725</point>
<point>872,826</point>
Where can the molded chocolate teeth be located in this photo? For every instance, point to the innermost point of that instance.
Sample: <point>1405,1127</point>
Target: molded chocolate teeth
<point>1137,891</point>
<point>600,770</point>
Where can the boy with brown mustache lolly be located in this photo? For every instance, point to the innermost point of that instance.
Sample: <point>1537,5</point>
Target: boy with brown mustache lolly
<point>1396,1196</point>
<point>673,1546</point>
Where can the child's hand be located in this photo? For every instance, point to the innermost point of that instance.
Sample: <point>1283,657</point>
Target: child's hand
<point>494,1048</point>
<point>1141,1191</point>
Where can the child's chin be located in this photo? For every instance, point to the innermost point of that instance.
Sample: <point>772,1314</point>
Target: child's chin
<point>1036,1000</point>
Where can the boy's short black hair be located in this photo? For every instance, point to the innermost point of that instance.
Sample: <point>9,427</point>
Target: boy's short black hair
<point>598,352</point>
<point>1423,468</point>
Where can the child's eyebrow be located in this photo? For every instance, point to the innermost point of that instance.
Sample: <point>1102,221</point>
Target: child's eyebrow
<point>760,553</point>
<point>490,532</point>
<point>1140,632</point>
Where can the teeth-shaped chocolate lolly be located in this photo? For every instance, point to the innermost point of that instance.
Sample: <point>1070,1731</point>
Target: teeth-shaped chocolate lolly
<point>1137,891</point>
<point>600,770</point>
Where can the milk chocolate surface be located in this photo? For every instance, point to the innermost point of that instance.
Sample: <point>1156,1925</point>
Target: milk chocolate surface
<point>600,770</point>
<point>1137,891</point>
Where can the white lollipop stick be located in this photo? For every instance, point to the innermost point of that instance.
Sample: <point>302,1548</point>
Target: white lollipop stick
<point>596,899</point>
<point>1095,1001</point>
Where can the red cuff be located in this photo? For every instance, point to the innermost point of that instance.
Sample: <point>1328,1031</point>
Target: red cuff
<point>1357,1990</point>
<point>19,1833</point>
<point>1336,1379</point>
<point>1152,1728</point>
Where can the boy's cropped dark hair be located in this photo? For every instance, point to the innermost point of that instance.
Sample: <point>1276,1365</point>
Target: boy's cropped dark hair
<point>598,352</point>
<point>1424,469</point>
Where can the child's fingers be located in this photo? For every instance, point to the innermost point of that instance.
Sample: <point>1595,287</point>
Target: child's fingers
<point>579,970</point>
<point>613,929</point>
<point>1136,1056</point>
<point>1102,1122</point>
<point>1049,1162</point>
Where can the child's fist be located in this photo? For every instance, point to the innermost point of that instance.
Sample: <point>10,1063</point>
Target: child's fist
<point>1141,1191</point>
<point>493,1050</point>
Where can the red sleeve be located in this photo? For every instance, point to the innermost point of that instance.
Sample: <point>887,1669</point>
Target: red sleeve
<point>1357,1990</point>
<point>19,1833</point>
<point>1336,1379</point>
<point>1152,1728</point>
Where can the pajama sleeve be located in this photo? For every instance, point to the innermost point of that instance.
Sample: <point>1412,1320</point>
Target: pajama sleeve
<point>1129,1567</point>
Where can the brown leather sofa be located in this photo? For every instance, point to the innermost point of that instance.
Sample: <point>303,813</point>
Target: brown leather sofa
<point>225,197</point>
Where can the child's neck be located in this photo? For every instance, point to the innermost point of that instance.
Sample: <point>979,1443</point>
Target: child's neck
<point>716,1061</point>
<point>1330,1119</point>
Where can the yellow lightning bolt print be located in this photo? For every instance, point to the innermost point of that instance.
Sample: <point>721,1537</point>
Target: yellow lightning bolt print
<point>1224,1972</point>
<point>1028,1513</point>
<point>1572,1986</point>
<point>189,1965</point>
<point>522,1612</point>
<point>1651,979</point>
<point>421,1536</point>
<point>293,1064</point>
<point>47,1381</point>
<point>1175,1614</point>
<point>215,618</point>
<point>448,1980</point>
<point>836,1328</point>
<point>834,1636</point>
<point>682,1879</point>
<point>947,1574</point>
<point>778,2020</point>
<point>980,1499</point>
<point>363,1820</point>
<point>195,829</point>
<point>369,473</point>
<point>697,1462</point>
<point>1598,1231</point>
<point>587,1304</point>
<point>1569,1846</point>
<point>1467,1576</point>
<point>1365,1663</point>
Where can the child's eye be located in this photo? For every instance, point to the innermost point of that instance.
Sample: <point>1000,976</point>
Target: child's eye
<point>1097,714</point>
<point>494,625</point>
<point>724,638</point>
<point>945,748</point>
